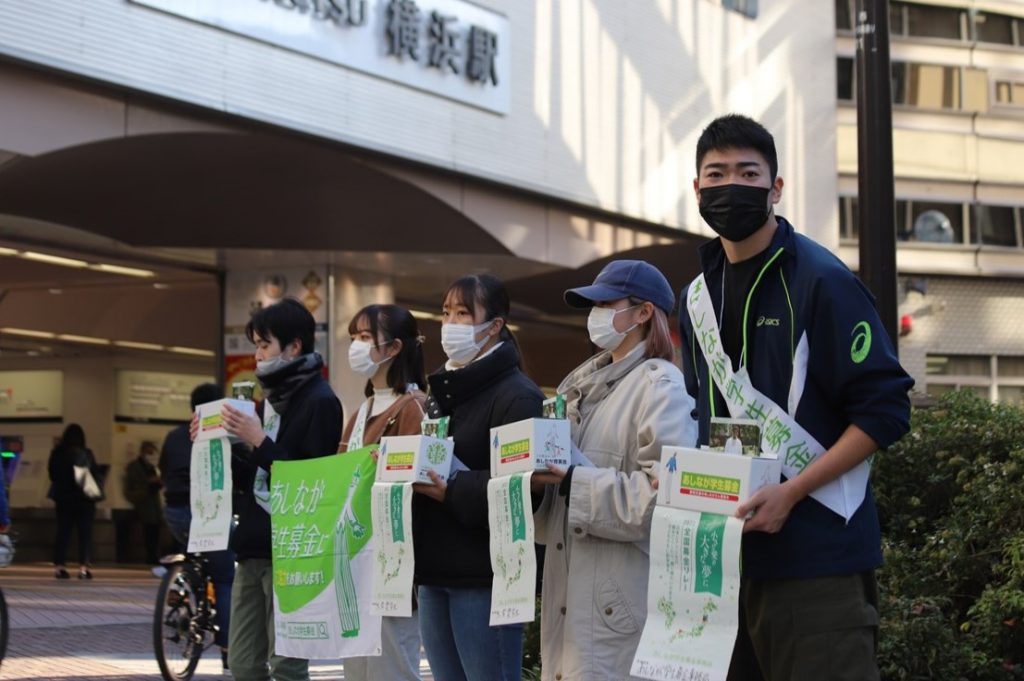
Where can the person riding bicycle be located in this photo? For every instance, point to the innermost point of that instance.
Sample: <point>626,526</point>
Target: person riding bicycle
<point>175,466</point>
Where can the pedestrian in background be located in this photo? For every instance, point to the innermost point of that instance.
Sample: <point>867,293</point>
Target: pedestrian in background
<point>142,489</point>
<point>76,510</point>
<point>175,470</point>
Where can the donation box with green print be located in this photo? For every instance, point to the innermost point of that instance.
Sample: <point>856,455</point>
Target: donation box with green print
<point>712,482</point>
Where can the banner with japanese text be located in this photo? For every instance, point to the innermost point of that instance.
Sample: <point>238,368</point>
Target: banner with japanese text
<point>322,552</point>
<point>513,559</point>
<point>692,597</point>
<point>394,564</point>
<point>210,495</point>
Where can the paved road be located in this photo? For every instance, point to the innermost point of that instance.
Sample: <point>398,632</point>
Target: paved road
<point>92,630</point>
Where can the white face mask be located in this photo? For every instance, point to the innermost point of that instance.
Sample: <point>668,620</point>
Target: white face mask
<point>459,341</point>
<point>269,366</point>
<point>360,361</point>
<point>601,325</point>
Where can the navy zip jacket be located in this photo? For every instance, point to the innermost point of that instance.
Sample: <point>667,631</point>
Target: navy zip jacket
<point>804,289</point>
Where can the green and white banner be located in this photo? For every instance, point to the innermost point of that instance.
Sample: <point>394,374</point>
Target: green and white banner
<point>323,556</point>
<point>393,560</point>
<point>210,490</point>
<point>510,513</point>
<point>692,597</point>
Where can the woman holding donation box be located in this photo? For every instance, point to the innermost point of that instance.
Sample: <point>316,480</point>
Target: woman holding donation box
<point>387,351</point>
<point>480,387</point>
<point>623,405</point>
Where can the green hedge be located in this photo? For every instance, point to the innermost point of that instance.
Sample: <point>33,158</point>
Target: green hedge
<point>951,501</point>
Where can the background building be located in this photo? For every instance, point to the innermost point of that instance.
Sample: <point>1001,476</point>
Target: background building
<point>958,119</point>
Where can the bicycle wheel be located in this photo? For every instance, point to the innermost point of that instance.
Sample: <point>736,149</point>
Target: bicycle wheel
<point>4,628</point>
<point>177,641</point>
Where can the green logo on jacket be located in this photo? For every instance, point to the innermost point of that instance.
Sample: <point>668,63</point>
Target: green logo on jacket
<point>861,345</point>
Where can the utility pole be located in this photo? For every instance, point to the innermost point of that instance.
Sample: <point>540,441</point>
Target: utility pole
<point>876,202</point>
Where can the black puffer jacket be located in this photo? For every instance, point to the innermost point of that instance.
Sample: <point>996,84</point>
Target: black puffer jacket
<point>451,540</point>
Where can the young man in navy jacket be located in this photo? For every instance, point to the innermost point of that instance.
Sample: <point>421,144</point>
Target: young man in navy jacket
<point>800,348</point>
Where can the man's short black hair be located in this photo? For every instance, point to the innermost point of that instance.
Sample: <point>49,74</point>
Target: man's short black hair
<point>734,131</point>
<point>205,392</point>
<point>286,320</point>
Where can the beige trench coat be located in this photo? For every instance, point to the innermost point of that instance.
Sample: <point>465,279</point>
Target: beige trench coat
<point>621,415</point>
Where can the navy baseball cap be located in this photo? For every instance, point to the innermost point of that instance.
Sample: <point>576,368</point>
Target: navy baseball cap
<point>624,279</point>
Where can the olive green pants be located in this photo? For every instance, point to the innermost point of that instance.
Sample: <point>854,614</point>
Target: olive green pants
<point>821,629</point>
<point>251,636</point>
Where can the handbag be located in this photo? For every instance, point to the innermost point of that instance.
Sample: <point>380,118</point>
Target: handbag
<point>85,479</point>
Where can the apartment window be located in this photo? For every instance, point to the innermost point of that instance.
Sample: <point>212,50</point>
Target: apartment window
<point>1010,388</point>
<point>848,217</point>
<point>929,86</point>
<point>936,222</point>
<point>999,377</point>
<point>995,28</point>
<point>897,22</point>
<point>932,86</point>
<point>845,85</point>
<point>844,15</point>
<point>944,222</point>
<point>926,21</point>
<point>903,221</point>
<point>946,373</point>
<point>975,90</point>
<point>996,225</point>
<point>1009,92</point>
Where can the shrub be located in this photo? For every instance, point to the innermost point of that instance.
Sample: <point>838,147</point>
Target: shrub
<point>951,502</point>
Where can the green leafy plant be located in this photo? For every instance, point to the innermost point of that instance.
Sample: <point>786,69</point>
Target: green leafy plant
<point>951,502</point>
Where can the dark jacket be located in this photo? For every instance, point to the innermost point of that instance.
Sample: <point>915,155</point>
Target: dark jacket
<point>142,488</point>
<point>175,465</point>
<point>176,468</point>
<point>310,428</point>
<point>807,290</point>
<point>63,489</point>
<point>451,540</point>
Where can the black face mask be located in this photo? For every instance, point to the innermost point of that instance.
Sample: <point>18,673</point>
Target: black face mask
<point>734,211</point>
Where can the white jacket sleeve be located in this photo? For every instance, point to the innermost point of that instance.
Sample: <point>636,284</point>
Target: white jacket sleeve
<point>617,506</point>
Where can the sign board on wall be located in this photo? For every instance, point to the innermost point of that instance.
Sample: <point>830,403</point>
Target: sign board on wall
<point>155,396</point>
<point>248,291</point>
<point>31,395</point>
<point>451,48</point>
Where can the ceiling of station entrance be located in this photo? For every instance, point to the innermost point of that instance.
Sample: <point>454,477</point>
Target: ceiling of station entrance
<point>69,294</point>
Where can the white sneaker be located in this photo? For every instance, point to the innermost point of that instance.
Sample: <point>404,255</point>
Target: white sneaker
<point>159,571</point>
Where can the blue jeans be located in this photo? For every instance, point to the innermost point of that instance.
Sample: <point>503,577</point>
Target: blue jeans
<point>220,565</point>
<point>459,643</point>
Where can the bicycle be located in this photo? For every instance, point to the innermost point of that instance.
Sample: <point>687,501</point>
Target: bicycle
<point>183,622</point>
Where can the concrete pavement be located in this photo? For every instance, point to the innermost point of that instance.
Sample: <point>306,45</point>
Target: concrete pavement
<point>93,630</point>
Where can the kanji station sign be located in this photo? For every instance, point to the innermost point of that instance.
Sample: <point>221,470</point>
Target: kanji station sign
<point>450,48</point>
